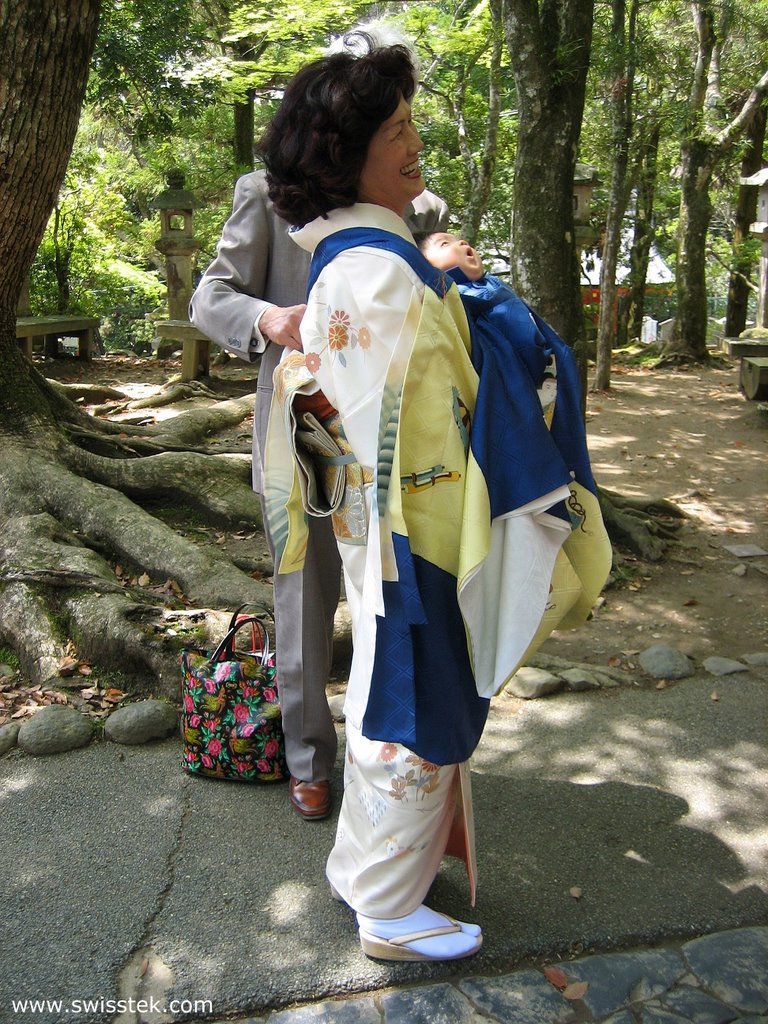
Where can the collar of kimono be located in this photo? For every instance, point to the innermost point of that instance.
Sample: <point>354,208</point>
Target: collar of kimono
<point>357,216</point>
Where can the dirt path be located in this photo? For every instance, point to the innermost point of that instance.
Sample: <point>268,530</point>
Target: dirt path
<point>688,436</point>
<point>693,438</point>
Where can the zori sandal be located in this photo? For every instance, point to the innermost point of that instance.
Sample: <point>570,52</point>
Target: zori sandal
<point>447,941</point>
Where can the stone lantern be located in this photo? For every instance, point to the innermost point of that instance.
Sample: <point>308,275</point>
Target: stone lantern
<point>179,246</point>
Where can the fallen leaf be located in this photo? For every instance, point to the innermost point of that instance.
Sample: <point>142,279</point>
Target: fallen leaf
<point>24,712</point>
<point>715,695</point>
<point>576,891</point>
<point>68,665</point>
<point>143,580</point>
<point>556,976</point>
<point>662,684</point>
<point>576,990</point>
<point>84,668</point>
<point>614,661</point>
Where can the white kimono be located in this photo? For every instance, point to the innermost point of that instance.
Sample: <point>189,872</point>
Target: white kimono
<point>398,809</point>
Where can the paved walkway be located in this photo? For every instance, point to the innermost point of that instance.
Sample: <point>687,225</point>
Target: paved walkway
<point>125,880</point>
<point>715,979</point>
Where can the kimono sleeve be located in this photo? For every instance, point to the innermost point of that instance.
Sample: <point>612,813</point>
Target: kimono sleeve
<point>363,311</point>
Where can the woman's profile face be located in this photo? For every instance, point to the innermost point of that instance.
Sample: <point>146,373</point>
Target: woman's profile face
<point>391,176</point>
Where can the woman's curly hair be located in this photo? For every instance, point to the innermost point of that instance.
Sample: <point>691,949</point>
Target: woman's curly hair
<point>315,147</point>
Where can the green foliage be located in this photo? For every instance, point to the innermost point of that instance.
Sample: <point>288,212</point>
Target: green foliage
<point>140,70</point>
<point>93,258</point>
<point>453,44</point>
<point>165,79</point>
<point>9,657</point>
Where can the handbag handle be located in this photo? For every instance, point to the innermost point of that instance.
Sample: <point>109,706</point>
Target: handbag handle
<point>226,649</point>
<point>236,614</point>
<point>256,644</point>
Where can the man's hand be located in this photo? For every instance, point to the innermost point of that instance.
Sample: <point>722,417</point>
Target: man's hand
<point>281,325</point>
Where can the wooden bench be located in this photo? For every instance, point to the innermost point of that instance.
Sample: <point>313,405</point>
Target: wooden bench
<point>753,376</point>
<point>51,328</point>
<point>195,346</point>
<point>737,348</point>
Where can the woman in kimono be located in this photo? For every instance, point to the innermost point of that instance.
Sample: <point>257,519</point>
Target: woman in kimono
<point>386,372</point>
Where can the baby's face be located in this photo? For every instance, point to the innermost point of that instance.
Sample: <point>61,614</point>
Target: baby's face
<point>446,251</point>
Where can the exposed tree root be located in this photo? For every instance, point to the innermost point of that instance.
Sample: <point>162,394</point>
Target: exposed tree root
<point>218,485</point>
<point>672,360</point>
<point>67,520</point>
<point>602,673</point>
<point>645,526</point>
<point>88,393</point>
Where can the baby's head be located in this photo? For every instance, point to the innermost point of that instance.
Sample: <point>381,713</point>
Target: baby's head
<point>446,251</point>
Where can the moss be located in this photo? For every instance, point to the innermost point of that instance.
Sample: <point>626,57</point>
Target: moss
<point>9,657</point>
<point>183,517</point>
<point>637,355</point>
<point>623,575</point>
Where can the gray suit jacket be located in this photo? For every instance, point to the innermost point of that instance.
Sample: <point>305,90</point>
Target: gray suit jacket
<point>258,265</point>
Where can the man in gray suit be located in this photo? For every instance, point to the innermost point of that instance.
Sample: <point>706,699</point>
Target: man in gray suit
<point>250,301</point>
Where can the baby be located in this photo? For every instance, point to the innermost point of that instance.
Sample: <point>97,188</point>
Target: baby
<point>447,252</point>
<point>528,356</point>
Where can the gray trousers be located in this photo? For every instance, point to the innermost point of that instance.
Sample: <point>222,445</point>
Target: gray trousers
<point>305,603</point>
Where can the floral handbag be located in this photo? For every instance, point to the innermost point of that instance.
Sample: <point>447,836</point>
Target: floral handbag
<point>231,723</point>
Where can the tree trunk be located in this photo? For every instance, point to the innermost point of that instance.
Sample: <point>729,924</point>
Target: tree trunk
<point>622,88</point>
<point>702,149</point>
<point>243,137</point>
<point>632,306</point>
<point>45,49</point>
<point>65,522</point>
<point>746,213</point>
<point>481,176</point>
<point>689,339</point>
<point>549,50</point>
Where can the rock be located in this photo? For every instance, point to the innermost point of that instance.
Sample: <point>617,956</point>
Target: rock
<point>336,704</point>
<point>745,550</point>
<point>579,679</point>
<point>724,666</point>
<point>617,979</point>
<point>759,658</point>
<point>8,736</point>
<point>6,670</point>
<point>141,722</point>
<point>665,662</point>
<point>435,1003</point>
<point>530,682</point>
<point>733,967</point>
<point>525,998</point>
<point>54,729</point>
